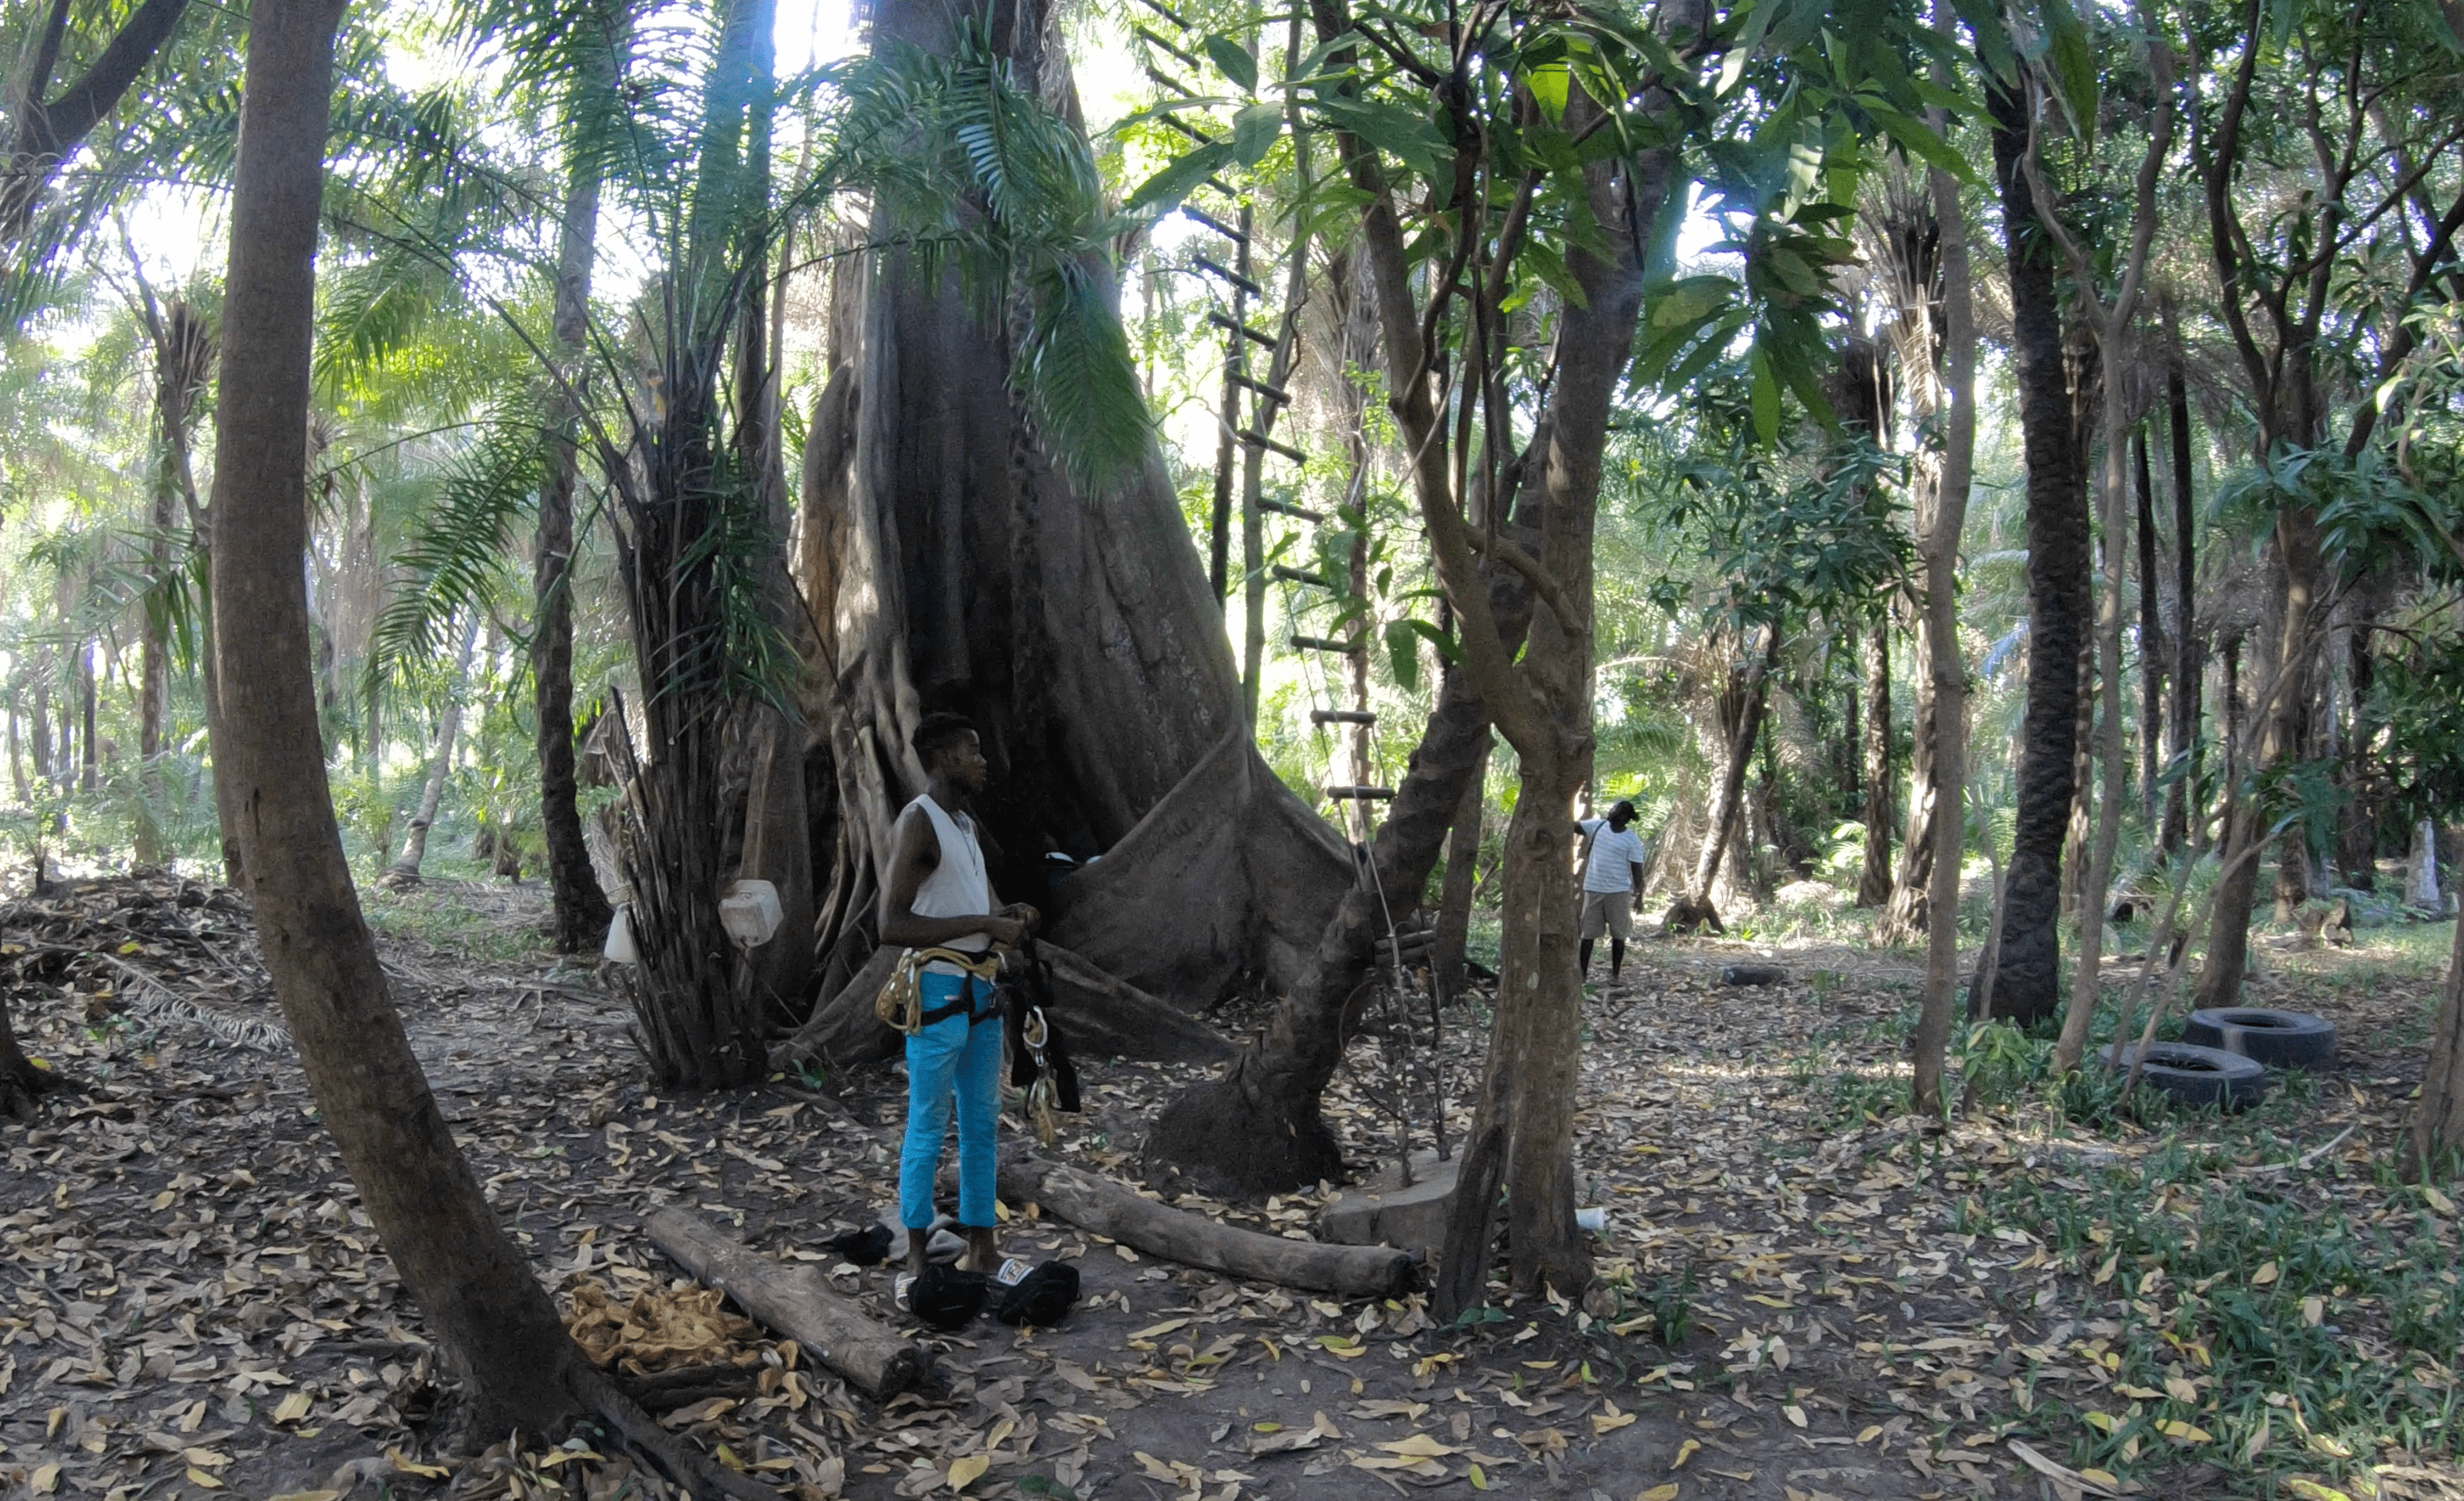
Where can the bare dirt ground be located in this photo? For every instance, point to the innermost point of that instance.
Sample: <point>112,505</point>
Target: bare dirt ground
<point>1807,1296</point>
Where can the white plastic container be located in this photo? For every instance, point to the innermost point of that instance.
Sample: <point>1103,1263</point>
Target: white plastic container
<point>749,913</point>
<point>620,937</point>
<point>1595,1219</point>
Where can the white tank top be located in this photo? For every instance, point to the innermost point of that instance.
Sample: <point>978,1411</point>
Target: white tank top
<point>958,886</point>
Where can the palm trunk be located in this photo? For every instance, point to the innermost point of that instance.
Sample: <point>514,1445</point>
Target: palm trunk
<point>1930,1040</point>
<point>479,1300</point>
<point>2027,976</point>
<point>1874,884</point>
<point>2190,674</point>
<point>582,912</point>
<point>404,870</point>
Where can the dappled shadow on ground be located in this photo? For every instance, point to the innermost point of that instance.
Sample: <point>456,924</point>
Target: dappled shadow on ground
<point>1805,1294</point>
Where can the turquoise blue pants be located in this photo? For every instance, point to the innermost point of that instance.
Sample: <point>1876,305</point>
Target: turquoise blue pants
<point>947,1061</point>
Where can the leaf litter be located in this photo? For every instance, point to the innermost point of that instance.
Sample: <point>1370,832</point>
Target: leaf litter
<point>193,1304</point>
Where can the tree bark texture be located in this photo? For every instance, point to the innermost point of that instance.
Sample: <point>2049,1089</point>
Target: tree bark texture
<point>1451,957</point>
<point>483,1304</point>
<point>2151,637</point>
<point>1947,666</point>
<point>2436,1129</point>
<point>1874,882</point>
<point>581,912</point>
<point>2027,982</point>
<point>2357,844</point>
<point>2190,670</point>
<point>2284,704</point>
<point>950,565</point>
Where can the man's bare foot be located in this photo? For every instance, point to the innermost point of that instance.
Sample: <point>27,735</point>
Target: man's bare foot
<point>982,1256</point>
<point>918,1242</point>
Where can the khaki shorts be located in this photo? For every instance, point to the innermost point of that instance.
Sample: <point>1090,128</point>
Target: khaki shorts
<point>1608,912</point>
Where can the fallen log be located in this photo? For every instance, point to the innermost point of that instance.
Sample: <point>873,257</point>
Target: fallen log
<point>1110,1209</point>
<point>795,1301</point>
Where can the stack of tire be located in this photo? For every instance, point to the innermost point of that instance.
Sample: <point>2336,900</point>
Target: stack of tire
<point>2227,1055</point>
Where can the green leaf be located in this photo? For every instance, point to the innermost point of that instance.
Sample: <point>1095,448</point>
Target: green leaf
<point>1691,300</point>
<point>1163,192</point>
<point>1254,130</point>
<point>1919,140</point>
<point>2073,64</point>
<point>1234,62</point>
<point>1549,87</point>
<point>1766,396</point>
<point>1403,638</point>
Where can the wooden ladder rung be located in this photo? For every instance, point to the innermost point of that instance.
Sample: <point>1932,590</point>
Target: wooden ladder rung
<point>1175,123</point>
<point>1298,576</point>
<point>1166,11</point>
<point>1225,323</point>
<point>1155,40</point>
<point>1323,643</point>
<point>1301,513</point>
<point>1256,439</point>
<point>1166,80</point>
<point>1272,393</point>
<point>1216,224</point>
<point>1342,716</point>
<point>1362,794</point>
<point>1217,268</point>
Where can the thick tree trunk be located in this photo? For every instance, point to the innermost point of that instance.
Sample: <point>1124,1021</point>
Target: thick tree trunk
<point>2436,1129</point>
<point>405,869</point>
<point>580,911</point>
<point>1930,1041</point>
<point>950,565</point>
<point>1874,884</point>
<point>2151,637</point>
<point>485,1307</point>
<point>2190,670</point>
<point>2285,702</point>
<point>2027,982</point>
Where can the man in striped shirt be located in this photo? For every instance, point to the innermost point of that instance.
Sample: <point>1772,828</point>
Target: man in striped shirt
<point>1612,884</point>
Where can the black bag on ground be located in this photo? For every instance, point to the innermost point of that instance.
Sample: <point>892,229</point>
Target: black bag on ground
<point>869,1246</point>
<point>946,1298</point>
<point>1040,1297</point>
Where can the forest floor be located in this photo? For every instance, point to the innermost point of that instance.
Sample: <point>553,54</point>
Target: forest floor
<point>1808,1294</point>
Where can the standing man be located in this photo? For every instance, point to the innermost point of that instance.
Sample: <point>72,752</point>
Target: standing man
<point>938,897</point>
<point>1612,884</point>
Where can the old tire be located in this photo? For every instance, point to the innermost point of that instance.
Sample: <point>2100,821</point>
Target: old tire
<point>2198,1077</point>
<point>2278,1039</point>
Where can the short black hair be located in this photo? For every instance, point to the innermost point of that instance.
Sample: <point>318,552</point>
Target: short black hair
<point>1621,803</point>
<point>936,731</point>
